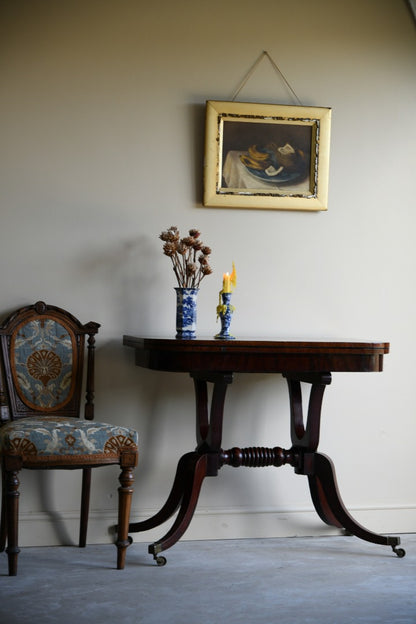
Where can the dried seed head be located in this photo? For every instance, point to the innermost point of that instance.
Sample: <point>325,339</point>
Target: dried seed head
<point>169,249</point>
<point>191,269</point>
<point>171,234</point>
<point>188,241</point>
<point>197,245</point>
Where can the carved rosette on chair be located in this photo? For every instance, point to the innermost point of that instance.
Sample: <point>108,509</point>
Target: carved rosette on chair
<point>42,358</point>
<point>186,309</point>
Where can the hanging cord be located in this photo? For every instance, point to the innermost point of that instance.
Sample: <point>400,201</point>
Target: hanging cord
<point>253,68</point>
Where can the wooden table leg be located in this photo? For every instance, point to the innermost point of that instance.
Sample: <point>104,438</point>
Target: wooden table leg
<point>190,473</point>
<point>173,502</point>
<point>193,478</point>
<point>318,467</point>
<point>329,505</point>
<point>193,467</point>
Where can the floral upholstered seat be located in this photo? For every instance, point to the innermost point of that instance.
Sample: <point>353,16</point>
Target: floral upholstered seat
<point>64,441</point>
<point>41,380</point>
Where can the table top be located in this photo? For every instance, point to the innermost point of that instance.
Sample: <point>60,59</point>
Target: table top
<point>257,355</point>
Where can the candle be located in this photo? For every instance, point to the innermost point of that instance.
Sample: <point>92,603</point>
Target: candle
<point>226,283</point>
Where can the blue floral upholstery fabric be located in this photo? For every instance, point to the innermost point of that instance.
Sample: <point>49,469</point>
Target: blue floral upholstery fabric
<point>66,440</point>
<point>42,364</point>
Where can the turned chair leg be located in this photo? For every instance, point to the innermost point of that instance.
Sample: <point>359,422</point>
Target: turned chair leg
<point>85,506</point>
<point>3,525</point>
<point>125,492</point>
<point>12,518</point>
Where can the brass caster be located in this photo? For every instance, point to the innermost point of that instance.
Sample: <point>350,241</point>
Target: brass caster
<point>154,549</point>
<point>400,552</point>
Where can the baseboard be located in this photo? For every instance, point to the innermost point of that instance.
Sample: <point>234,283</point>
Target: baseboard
<point>44,529</point>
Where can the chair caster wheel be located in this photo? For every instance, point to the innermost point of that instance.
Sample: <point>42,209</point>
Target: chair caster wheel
<point>161,561</point>
<point>400,552</point>
<point>130,539</point>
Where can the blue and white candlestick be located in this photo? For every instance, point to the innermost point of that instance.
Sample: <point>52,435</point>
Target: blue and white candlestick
<point>225,312</point>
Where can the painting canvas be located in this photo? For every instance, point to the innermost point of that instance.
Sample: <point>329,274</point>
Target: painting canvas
<point>266,156</point>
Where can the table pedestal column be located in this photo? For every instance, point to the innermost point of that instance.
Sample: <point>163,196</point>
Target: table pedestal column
<point>209,457</point>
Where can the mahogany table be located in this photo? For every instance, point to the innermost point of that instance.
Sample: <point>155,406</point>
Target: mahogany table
<point>214,362</point>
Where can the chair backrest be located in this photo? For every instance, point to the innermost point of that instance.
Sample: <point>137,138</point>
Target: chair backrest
<point>42,357</point>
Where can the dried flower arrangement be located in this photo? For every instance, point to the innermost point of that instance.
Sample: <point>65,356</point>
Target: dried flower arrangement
<point>189,256</point>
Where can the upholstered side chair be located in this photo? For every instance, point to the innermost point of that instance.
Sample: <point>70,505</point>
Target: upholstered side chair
<point>43,349</point>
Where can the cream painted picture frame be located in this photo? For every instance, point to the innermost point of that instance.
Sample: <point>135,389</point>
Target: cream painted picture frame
<point>266,156</point>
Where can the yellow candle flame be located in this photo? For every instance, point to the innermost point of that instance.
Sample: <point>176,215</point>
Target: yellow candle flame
<point>233,277</point>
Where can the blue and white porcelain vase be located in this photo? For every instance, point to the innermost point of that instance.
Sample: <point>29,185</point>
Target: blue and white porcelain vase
<point>186,306</point>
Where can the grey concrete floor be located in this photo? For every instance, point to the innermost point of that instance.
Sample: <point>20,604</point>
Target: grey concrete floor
<point>329,580</point>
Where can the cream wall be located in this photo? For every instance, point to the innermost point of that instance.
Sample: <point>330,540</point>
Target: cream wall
<point>102,131</point>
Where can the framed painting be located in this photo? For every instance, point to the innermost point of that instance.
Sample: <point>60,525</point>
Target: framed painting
<point>266,156</point>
